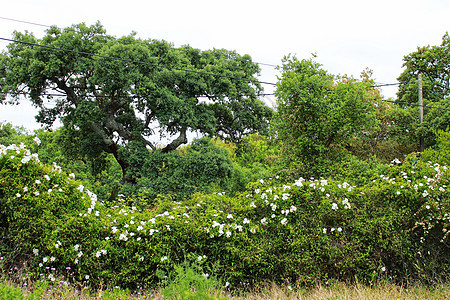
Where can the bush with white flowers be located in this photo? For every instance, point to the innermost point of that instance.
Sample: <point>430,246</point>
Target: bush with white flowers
<point>394,225</point>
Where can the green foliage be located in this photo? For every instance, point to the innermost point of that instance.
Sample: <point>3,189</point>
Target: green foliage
<point>101,174</point>
<point>9,292</point>
<point>319,114</point>
<point>433,63</point>
<point>185,282</point>
<point>10,134</point>
<point>200,167</point>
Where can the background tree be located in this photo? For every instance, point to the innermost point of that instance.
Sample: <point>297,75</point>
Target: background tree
<point>150,89</point>
<point>319,114</point>
<point>434,64</point>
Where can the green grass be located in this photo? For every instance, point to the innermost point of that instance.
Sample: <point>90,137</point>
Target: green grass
<point>46,291</point>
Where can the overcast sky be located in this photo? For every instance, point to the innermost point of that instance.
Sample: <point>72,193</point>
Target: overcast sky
<point>346,35</point>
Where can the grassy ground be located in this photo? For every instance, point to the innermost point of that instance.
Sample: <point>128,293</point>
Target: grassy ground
<point>339,291</point>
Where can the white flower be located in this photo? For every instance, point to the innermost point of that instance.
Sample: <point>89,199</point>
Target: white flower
<point>139,228</point>
<point>246,221</point>
<point>206,275</point>
<point>284,221</point>
<point>334,206</point>
<point>80,254</point>
<point>339,229</point>
<point>273,216</point>
<point>228,233</point>
<point>141,258</point>
<point>35,252</point>
<point>427,207</point>
<point>104,252</point>
<point>76,247</point>
<point>383,269</point>
<point>72,175</point>
<point>86,277</point>
<point>47,177</point>
<point>324,230</point>
<point>168,227</point>
<point>263,221</point>
<point>200,258</point>
<point>395,161</point>
<point>76,260</point>
<point>25,189</point>
<point>163,258</point>
<point>293,208</point>
<point>37,140</point>
<point>18,195</point>
<point>229,216</point>
<point>45,259</point>
<point>80,188</point>
<point>52,258</point>
<point>253,205</point>
<point>98,254</point>
<point>38,181</point>
<point>114,229</point>
<point>261,181</point>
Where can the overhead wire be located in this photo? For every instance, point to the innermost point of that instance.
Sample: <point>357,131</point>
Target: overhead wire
<point>70,29</point>
<point>179,69</point>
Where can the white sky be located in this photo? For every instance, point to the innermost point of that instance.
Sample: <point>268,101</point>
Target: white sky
<point>346,35</point>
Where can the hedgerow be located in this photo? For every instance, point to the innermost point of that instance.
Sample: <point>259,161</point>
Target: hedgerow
<point>393,226</point>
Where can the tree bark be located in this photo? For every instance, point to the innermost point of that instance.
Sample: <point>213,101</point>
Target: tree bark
<point>181,139</point>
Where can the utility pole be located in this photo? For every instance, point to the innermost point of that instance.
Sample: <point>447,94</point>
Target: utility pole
<point>422,144</point>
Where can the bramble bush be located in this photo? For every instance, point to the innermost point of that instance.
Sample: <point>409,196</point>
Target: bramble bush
<point>392,226</point>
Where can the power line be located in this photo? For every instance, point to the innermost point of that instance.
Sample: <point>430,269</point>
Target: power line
<point>25,22</point>
<point>70,29</point>
<point>134,61</point>
<point>412,104</point>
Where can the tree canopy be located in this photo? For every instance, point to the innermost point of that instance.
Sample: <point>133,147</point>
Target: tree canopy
<point>111,91</point>
<point>433,62</point>
<point>318,113</point>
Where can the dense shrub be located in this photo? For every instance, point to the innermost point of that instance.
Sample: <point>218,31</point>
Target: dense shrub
<point>395,226</point>
<point>200,167</point>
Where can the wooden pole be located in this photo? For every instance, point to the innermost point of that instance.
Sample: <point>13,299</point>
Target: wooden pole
<point>422,143</point>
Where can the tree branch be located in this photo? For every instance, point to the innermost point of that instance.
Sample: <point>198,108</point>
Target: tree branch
<point>181,139</point>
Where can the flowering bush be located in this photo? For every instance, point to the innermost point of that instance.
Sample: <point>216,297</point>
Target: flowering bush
<point>395,225</point>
